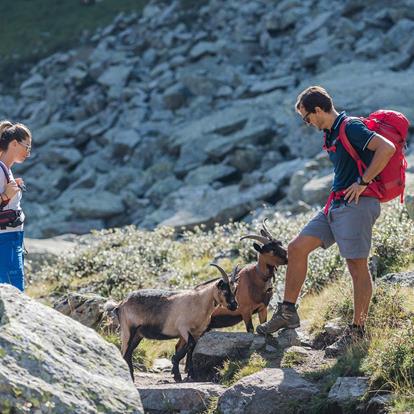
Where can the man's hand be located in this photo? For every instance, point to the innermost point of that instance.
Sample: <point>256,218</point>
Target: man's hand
<point>353,192</point>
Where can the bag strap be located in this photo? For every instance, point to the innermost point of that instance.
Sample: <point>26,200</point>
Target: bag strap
<point>6,171</point>
<point>349,148</point>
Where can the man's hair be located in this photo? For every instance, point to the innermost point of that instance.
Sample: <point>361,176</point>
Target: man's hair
<point>312,97</point>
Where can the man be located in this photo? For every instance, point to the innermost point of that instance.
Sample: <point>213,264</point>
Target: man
<point>347,220</point>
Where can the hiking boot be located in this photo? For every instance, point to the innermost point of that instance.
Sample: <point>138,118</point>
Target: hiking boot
<point>351,335</point>
<point>286,316</point>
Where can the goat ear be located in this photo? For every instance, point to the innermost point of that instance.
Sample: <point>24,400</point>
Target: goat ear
<point>263,233</point>
<point>221,284</point>
<point>257,247</point>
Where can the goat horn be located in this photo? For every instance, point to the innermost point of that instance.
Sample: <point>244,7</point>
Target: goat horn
<point>260,239</point>
<point>234,274</point>
<point>222,271</point>
<point>266,230</point>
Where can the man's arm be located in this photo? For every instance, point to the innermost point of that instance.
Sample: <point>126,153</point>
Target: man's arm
<point>383,150</point>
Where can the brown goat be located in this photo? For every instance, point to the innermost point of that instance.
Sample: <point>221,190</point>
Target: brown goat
<point>254,283</point>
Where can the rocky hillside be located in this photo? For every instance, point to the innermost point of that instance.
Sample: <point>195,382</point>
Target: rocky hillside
<point>182,116</point>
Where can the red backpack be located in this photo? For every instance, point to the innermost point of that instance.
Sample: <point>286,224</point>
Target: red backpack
<point>390,182</point>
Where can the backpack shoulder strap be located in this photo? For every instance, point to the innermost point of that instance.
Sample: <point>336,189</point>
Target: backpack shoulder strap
<point>5,171</point>
<point>349,148</point>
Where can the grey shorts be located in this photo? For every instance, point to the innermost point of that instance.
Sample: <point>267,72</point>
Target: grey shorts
<point>349,225</point>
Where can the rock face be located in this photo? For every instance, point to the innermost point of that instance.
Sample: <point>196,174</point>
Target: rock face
<point>347,391</point>
<point>50,363</point>
<point>87,309</point>
<point>269,391</point>
<point>188,398</point>
<point>164,113</point>
<point>213,348</point>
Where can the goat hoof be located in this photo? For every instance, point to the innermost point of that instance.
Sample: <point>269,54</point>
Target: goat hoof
<point>177,378</point>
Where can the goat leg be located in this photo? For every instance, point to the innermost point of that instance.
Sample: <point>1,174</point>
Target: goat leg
<point>263,315</point>
<point>134,340</point>
<point>247,318</point>
<point>177,357</point>
<point>189,362</point>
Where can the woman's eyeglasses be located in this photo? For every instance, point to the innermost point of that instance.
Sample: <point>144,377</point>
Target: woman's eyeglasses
<point>28,147</point>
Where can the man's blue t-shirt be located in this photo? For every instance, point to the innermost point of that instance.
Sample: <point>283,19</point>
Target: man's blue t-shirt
<point>345,168</point>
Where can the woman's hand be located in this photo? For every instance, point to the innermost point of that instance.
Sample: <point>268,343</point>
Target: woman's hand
<point>19,181</point>
<point>11,189</point>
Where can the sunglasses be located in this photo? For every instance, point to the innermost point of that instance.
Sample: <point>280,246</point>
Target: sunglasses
<point>306,118</point>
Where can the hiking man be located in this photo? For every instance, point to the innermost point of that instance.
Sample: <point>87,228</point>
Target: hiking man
<point>347,219</point>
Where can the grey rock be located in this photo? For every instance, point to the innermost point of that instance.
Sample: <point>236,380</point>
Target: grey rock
<point>225,122</point>
<point>87,309</point>
<point>400,33</point>
<point>347,390</point>
<point>67,156</point>
<point>317,190</point>
<point>287,338</point>
<point>267,389</point>
<point>409,204</point>
<point>271,84</point>
<point>175,97</point>
<point>244,159</point>
<point>313,25</point>
<point>191,156</point>
<point>297,181</point>
<point>56,226</point>
<point>161,188</point>
<point>379,404</point>
<point>312,51</point>
<point>205,48</point>
<point>60,366</point>
<point>202,205</point>
<point>115,76</point>
<point>124,141</point>
<point>284,171</point>
<point>53,132</point>
<point>334,327</point>
<point>213,348</point>
<point>402,278</point>
<point>102,205</point>
<point>188,398</point>
<point>209,173</point>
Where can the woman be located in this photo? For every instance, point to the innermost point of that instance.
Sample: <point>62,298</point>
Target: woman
<point>15,147</point>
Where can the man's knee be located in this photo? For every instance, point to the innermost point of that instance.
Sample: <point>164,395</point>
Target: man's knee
<point>303,245</point>
<point>357,266</point>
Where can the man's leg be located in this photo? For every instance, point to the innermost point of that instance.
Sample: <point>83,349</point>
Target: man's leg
<point>362,283</point>
<point>286,315</point>
<point>298,252</point>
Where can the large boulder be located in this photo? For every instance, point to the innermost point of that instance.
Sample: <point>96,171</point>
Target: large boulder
<point>214,348</point>
<point>272,390</point>
<point>51,363</point>
<point>347,392</point>
<point>194,205</point>
<point>87,309</point>
<point>188,398</point>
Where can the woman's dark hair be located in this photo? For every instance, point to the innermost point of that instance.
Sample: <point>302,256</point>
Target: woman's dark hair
<point>312,97</point>
<point>10,131</point>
